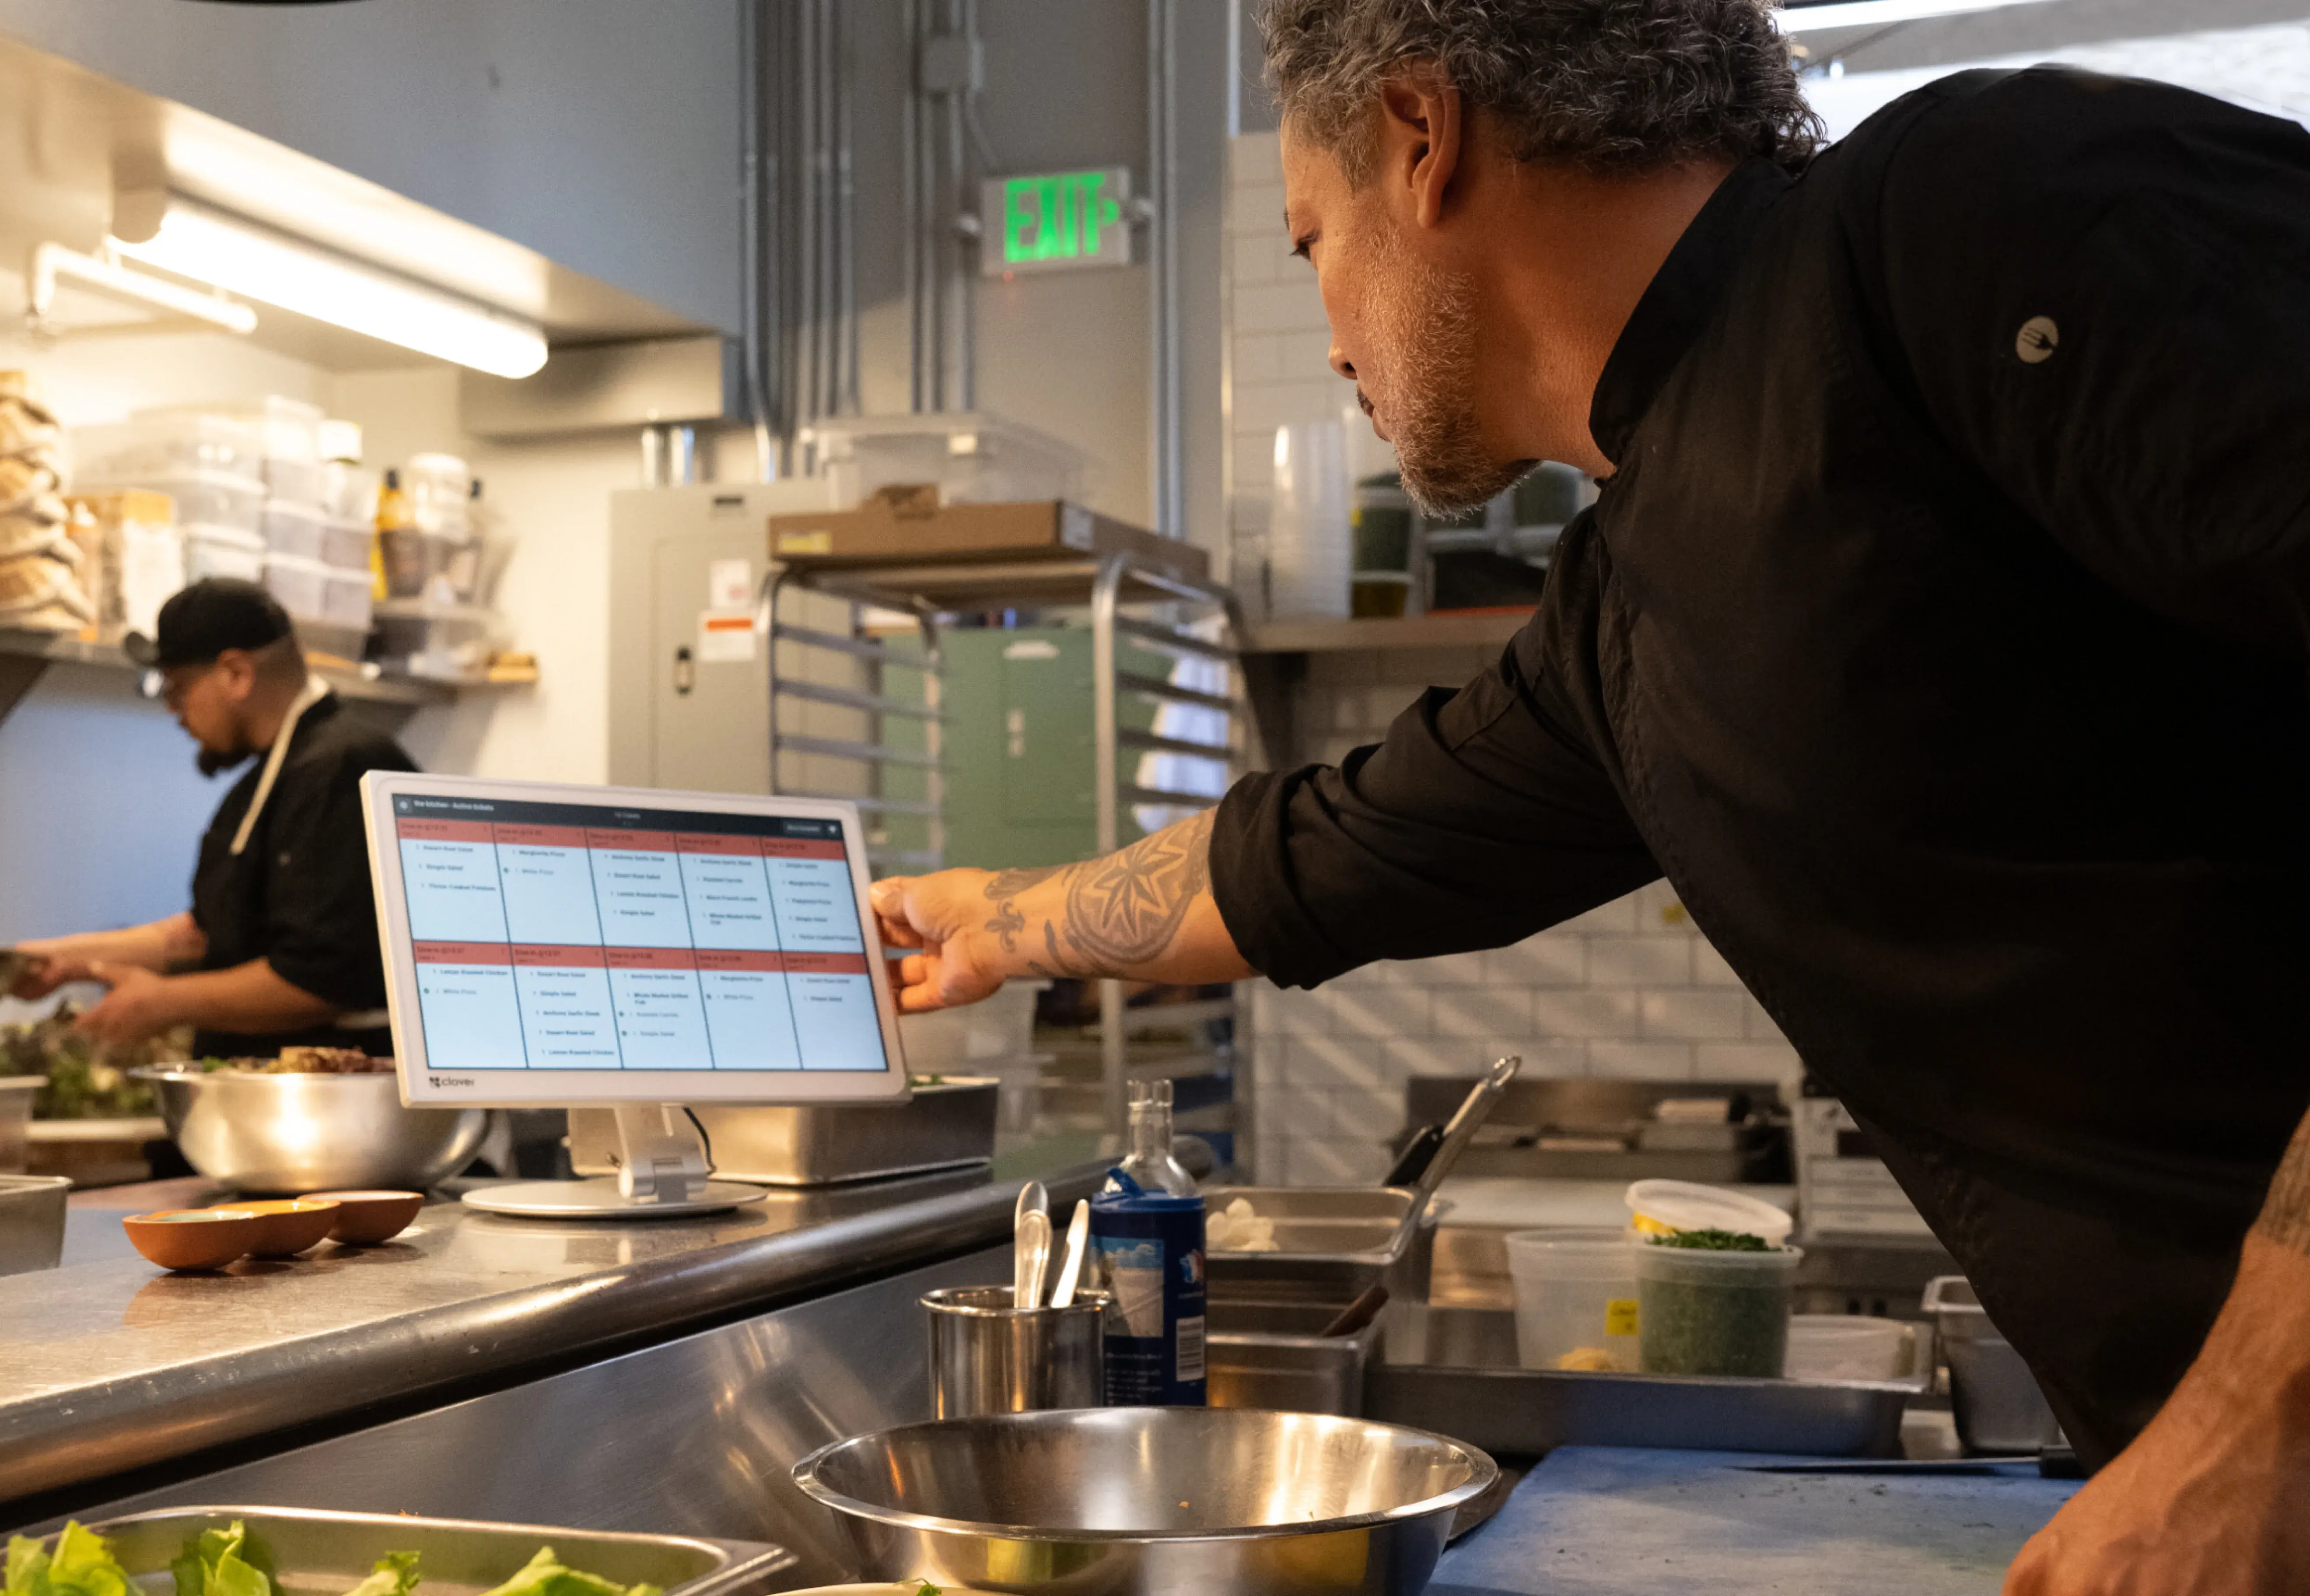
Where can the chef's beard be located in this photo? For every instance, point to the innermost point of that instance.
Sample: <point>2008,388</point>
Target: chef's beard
<point>215,761</point>
<point>1422,320</point>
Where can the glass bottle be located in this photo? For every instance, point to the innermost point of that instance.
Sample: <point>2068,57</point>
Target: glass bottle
<point>1150,1161</point>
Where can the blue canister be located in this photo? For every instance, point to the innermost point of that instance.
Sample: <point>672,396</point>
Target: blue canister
<point>1149,1249</point>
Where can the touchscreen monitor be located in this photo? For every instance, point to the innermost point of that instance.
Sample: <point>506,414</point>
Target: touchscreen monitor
<point>557,944</point>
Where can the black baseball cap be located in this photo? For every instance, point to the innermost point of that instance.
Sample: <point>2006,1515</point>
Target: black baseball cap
<point>203,621</point>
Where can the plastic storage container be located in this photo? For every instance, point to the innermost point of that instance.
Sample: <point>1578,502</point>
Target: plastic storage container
<point>1702,1311</point>
<point>223,551</point>
<point>449,640</point>
<point>168,442</point>
<point>970,457</point>
<point>209,498</point>
<point>300,585</point>
<point>1667,1207</point>
<point>294,529</point>
<point>440,488</point>
<point>292,430</point>
<point>345,544</point>
<point>1849,1346</point>
<point>347,596</point>
<point>1576,1300</point>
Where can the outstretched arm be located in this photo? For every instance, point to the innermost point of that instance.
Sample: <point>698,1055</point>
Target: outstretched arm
<point>2213,1497</point>
<point>1144,914</point>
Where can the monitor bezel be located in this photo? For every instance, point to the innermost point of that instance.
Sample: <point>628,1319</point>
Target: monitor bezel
<point>422,1088</point>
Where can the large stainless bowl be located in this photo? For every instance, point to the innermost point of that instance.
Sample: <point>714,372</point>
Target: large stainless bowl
<point>1137,1500</point>
<point>311,1132</point>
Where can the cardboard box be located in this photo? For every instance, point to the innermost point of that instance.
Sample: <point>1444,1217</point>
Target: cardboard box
<point>906,526</point>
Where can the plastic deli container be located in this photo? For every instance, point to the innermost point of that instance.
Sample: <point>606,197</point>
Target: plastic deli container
<point>345,544</point>
<point>223,551</point>
<point>1576,1300</point>
<point>440,488</point>
<point>1849,1346</point>
<point>300,585</point>
<point>210,498</point>
<point>1670,1207</point>
<point>1702,1311</point>
<point>168,442</point>
<point>293,529</point>
<point>347,596</point>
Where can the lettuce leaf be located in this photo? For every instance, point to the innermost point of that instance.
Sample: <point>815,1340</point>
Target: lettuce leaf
<point>221,1563</point>
<point>395,1575</point>
<point>544,1576</point>
<point>82,1565</point>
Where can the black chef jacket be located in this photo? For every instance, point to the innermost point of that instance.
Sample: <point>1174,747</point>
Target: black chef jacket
<point>1941,637</point>
<point>297,895</point>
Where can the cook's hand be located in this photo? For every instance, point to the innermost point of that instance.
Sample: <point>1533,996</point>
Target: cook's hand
<point>49,971</point>
<point>2210,1498</point>
<point>958,929</point>
<point>138,1007</point>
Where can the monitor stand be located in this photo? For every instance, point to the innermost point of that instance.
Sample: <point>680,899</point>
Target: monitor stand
<point>661,1175</point>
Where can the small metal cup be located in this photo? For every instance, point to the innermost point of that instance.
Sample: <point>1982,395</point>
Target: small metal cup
<point>987,1356</point>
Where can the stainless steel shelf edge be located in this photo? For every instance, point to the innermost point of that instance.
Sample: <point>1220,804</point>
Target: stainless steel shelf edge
<point>92,1424</point>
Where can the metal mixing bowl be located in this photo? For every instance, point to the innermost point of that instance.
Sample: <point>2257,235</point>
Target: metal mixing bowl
<point>311,1132</point>
<point>1137,1500</point>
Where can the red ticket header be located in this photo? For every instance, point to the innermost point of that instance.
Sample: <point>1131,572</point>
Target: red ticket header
<point>462,952</point>
<point>800,847</point>
<point>741,960</point>
<point>709,842</point>
<point>630,842</point>
<point>410,830</point>
<point>651,958</point>
<point>825,964</point>
<point>558,958</point>
<point>540,836</point>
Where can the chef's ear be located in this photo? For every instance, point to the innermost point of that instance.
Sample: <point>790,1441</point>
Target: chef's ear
<point>1419,140</point>
<point>240,669</point>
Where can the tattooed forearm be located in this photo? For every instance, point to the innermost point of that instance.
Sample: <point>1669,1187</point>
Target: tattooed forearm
<point>2286,1210</point>
<point>1113,914</point>
<point>1125,909</point>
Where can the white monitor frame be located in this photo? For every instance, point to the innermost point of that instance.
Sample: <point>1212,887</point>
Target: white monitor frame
<point>422,1088</point>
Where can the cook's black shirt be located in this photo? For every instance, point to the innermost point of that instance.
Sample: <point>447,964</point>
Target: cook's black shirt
<point>297,895</point>
<point>1941,637</point>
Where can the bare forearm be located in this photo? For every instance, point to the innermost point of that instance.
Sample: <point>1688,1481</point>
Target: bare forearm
<point>151,947</point>
<point>249,997</point>
<point>1144,914</point>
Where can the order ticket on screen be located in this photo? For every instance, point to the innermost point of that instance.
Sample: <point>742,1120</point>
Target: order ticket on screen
<point>572,936</point>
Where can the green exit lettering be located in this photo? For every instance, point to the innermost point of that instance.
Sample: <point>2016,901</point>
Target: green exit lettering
<point>1057,217</point>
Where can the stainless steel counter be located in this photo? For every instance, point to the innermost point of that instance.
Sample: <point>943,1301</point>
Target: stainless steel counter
<point>115,1365</point>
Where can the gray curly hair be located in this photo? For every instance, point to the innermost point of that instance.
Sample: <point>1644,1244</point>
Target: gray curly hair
<point>1609,85</point>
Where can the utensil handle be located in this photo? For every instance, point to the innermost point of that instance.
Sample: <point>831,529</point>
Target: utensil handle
<point>1062,1294</point>
<point>1412,1162</point>
<point>1461,1129</point>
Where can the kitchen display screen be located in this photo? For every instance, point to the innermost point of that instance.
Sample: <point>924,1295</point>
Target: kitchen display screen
<point>571,936</point>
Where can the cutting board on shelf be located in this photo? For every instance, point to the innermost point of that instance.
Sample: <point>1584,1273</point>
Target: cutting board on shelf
<point>1616,1521</point>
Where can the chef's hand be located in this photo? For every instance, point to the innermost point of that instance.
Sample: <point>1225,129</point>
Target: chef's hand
<point>51,968</point>
<point>961,933</point>
<point>139,1006</point>
<point>2213,1497</point>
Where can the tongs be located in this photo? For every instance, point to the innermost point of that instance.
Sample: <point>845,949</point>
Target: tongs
<point>1458,1131</point>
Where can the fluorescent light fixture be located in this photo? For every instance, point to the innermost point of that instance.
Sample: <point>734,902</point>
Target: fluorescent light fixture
<point>212,246</point>
<point>52,261</point>
<point>1872,13</point>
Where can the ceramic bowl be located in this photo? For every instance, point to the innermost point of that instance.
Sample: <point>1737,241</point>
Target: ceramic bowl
<point>290,1225</point>
<point>366,1218</point>
<point>194,1237</point>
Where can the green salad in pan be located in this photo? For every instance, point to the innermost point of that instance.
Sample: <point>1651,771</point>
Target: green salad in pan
<point>230,1561</point>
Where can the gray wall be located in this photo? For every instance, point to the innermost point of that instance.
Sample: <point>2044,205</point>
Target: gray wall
<point>603,133</point>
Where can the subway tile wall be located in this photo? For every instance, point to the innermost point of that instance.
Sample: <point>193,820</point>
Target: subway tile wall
<point>1630,990</point>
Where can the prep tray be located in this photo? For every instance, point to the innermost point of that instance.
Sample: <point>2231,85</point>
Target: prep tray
<point>319,1554</point>
<point>1332,1243</point>
<point>1454,1370</point>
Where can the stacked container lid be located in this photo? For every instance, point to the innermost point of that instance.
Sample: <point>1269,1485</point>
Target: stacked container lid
<point>211,466</point>
<point>317,558</point>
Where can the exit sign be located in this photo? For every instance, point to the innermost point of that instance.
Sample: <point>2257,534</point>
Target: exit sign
<point>1055,222</point>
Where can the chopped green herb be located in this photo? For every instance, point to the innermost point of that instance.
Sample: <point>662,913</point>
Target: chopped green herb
<point>1715,1241</point>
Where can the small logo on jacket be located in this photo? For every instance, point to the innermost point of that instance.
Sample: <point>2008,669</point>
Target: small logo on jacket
<point>2036,340</point>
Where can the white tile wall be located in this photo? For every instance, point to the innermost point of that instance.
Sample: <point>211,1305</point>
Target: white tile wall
<point>1629,990</point>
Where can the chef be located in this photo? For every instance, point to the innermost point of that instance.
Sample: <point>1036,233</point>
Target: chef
<point>1940,634</point>
<point>280,947</point>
